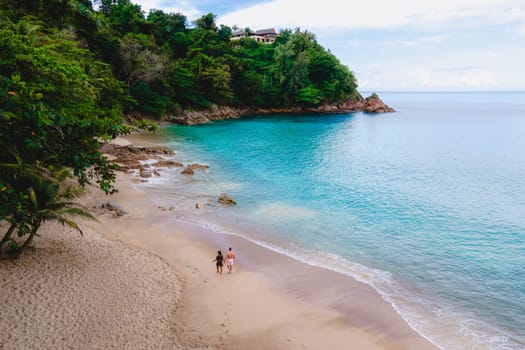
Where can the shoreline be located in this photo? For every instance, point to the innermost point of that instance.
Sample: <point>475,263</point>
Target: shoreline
<point>270,301</point>
<point>371,104</point>
<point>278,269</point>
<point>280,284</point>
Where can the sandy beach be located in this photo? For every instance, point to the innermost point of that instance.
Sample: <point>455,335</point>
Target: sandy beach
<point>147,281</point>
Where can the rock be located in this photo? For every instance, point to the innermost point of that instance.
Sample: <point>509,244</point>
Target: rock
<point>158,150</point>
<point>198,166</point>
<point>187,171</point>
<point>373,104</point>
<point>167,163</point>
<point>145,173</point>
<point>225,199</point>
<point>126,168</point>
<point>129,156</point>
<point>114,208</point>
<point>197,206</point>
<point>208,115</point>
<point>127,161</point>
<point>171,208</point>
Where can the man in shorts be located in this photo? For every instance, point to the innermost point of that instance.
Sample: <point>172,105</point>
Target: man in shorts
<point>229,260</point>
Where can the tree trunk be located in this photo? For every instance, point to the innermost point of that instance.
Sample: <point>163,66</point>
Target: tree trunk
<point>8,234</point>
<point>30,239</point>
<point>26,243</point>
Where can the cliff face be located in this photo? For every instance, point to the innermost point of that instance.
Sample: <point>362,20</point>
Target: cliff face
<point>371,104</point>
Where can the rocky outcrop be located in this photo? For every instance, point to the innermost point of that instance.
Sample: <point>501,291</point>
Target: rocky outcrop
<point>114,208</point>
<point>371,104</point>
<point>190,169</point>
<point>209,115</point>
<point>225,199</point>
<point>187,171</point>
<point>167,164</point>
<point>196,166</point>
<point>129,157</point>
<point>157,150</point>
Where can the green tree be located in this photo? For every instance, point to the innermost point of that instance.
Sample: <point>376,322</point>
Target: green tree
<point>206,22</point>
<point>41,199</point>
<point>56,104</point>
<point>292,62</point>
<point>309,96</point>
<point>166,26</point>
<point>127,17</point>
<point>141,59</point>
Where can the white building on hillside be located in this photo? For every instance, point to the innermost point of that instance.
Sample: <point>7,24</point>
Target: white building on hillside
<point>266,36</point>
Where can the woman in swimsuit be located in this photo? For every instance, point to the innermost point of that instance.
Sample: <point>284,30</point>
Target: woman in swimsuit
<point>219,259</point>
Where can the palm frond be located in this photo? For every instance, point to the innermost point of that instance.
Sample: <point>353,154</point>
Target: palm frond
<point>55,213</point>
<point>29,171</point>
<point>71,224</point>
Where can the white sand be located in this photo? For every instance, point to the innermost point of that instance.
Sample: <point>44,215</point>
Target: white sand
<point>87,293</point>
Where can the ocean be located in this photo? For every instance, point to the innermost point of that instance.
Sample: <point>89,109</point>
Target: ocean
<point>426,205</point>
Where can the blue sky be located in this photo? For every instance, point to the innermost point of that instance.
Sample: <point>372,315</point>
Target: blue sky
<point>425,45</point>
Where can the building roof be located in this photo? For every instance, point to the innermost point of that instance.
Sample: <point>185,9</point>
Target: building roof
<point>239,32</point>
<point>262,32</point>
<point>266,31</point>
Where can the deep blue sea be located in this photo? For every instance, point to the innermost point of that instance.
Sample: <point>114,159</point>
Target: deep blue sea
<point>427,205</point>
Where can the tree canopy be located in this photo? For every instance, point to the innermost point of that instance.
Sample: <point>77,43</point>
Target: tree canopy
<point>165,65</point>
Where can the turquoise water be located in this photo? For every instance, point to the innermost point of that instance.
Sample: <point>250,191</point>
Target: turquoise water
<point>427,205</point>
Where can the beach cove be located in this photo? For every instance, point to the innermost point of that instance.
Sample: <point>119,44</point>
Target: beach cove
<point>354,225</point>
<point>322,202</point>
<point>146,280</point>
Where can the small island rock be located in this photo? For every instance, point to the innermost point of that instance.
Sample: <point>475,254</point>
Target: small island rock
<point>225,199</point>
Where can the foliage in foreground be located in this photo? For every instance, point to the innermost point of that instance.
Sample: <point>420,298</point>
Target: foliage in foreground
<point>57,103</point>
<point>37,195</point>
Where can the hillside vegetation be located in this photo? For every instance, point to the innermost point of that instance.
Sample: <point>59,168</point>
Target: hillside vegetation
<point>159,63</point>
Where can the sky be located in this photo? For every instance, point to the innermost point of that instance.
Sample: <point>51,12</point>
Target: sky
<point>394,45</point>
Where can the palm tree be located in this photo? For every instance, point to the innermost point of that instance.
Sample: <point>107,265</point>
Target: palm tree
<point>46,199</point>
<point>15,179</point>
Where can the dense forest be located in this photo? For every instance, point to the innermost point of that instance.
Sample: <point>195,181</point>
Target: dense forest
<point>157,63</point>
<point>70,69</point>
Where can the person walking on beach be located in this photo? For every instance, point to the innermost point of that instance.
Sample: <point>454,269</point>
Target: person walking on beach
<point>229,260</point>
<point>218,262</point>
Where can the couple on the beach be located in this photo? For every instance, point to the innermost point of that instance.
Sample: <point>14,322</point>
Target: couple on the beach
<point>219,260</point>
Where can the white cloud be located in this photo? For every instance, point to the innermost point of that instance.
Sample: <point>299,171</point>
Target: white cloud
<point>366,14</point>
<point>458,79</point>
<point>521,29</point>
<point>421,41</point>
<point>184,7</point>
<point>428,79</point>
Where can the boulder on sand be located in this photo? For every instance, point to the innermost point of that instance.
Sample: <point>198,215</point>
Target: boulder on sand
<point>196,166</point>
<point>225,199</point>
<point>187,171</point>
